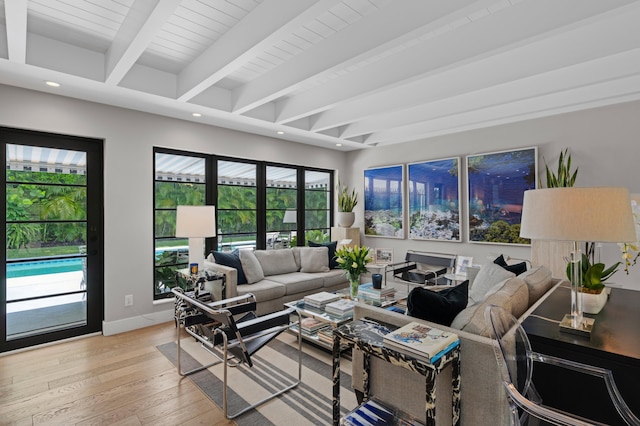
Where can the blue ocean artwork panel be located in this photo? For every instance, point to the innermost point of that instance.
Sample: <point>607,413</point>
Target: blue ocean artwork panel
<point>434,200</point>
<point>383,202</point>
<point>497,182</point>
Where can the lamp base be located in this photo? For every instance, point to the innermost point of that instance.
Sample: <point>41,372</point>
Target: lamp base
<point>583,329</point>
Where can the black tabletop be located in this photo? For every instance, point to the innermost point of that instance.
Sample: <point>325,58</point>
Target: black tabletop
<point>616,331</point>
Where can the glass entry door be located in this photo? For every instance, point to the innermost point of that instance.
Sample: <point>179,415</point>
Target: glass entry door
<point>52,287</point>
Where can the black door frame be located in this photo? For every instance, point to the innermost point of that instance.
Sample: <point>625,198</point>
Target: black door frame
<point>95,232</point>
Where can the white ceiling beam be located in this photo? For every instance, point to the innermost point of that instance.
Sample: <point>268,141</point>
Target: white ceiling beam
<point>377,32</point>
<point>141,25</point>
<point>625,89</point>
<point>268,23</point>
<point>15,12</point>
<point>557,50</point>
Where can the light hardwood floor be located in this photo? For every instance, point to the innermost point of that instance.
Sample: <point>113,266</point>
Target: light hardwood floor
<point>115,380</point>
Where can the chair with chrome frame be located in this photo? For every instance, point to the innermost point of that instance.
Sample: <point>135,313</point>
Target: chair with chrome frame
<point>230,331</point>
<point>515,359</point>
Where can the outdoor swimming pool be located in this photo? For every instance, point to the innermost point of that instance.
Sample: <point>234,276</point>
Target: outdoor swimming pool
<point>28,269</point>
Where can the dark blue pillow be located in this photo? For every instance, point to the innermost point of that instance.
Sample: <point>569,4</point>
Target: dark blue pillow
<point>332,246</point>
<point>517,268</point>
<point>231,259</point>
<point>440,307</point>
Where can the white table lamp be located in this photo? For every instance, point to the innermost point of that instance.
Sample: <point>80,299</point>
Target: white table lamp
<point>196,223</point>
<point>577,214</point>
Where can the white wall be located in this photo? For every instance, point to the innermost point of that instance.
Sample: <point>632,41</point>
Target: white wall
<point>129,140</point>
<point>604,144</point>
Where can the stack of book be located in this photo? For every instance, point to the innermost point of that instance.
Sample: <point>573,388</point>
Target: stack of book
<point>325,335</point>
<point>342,308</point>
<point>421,341</point>
<point>367,292</point>
<point>320,300</point>
<point>311,325</point>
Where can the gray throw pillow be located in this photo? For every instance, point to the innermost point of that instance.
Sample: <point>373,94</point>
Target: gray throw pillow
<point>251,266</point>
<point>314,259</point>
<point>488,277</point>
<point>276,262</point>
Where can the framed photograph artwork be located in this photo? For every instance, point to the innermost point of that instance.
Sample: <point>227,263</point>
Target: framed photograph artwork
<point>434,200</point>
<point>383,202</point>
<point>383,256</point>
<point>496,185</point>
<point>462,263</point>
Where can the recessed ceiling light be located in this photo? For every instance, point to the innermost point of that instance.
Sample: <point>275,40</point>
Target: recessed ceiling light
<point>197,114</point>
<point>338,144</point>
<point>52,83</point>
<point>280,132</point>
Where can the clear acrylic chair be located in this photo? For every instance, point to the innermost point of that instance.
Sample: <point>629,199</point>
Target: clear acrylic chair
<point>516,359</point>
<point>230,331</point>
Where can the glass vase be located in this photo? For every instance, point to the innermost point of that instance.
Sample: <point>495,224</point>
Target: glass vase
<point>354,283</point>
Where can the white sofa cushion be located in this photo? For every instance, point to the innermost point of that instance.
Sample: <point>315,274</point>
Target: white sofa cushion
<point>251,266</point>
<point>489,279</point>
<point>315,259</point>
<point>538,280</point>
<point>276,262</point>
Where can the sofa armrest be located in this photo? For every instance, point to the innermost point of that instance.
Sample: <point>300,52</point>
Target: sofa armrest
<point>231,276</point>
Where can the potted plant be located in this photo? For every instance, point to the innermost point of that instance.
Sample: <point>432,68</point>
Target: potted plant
<point>354,261</point>
<point>347,200</point>
<point>592,287</point>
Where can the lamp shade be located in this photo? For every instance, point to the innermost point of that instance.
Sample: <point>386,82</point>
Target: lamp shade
<point>578,214</point>
<point>290,216</point>
<point>196,221</point>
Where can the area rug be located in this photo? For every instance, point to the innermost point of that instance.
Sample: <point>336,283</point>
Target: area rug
<point>274,365</point>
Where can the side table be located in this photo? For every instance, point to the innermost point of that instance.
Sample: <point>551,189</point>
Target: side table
<point>367,336</point>
<point>614,344</point>
<point>204,281</point>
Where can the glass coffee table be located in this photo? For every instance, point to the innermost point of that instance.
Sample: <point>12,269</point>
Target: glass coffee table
<point>322,334</point>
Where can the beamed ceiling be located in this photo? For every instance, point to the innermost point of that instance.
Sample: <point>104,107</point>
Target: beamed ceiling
<point>361,73</point>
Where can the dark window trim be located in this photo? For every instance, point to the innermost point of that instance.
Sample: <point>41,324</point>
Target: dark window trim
<point>211,195</point>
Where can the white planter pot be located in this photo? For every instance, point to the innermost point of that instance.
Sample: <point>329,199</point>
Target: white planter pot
<point>593,303</point>
<point>346,219</point>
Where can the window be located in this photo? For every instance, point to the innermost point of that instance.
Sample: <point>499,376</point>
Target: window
<point>172,253</point>
<point>258,205</point>
<point>281,211</point>
<point>317,205</point>
<point>237,205</point>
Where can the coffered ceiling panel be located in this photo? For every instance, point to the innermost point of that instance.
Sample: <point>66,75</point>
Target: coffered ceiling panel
<point>343,74</point>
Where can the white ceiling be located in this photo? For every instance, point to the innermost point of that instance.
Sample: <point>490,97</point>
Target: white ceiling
<point>360,73</point>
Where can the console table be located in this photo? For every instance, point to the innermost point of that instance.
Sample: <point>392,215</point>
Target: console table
<point>367,336</point>
<point>614,344</point>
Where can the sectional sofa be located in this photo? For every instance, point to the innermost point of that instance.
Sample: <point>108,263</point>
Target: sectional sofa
<point>483,400</point>
<point>278,276</point>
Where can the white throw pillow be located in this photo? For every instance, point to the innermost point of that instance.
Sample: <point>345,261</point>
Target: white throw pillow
<point>276,262</point>
<point>489,276</point>
<point>314,259</point>
<point>251,266</point>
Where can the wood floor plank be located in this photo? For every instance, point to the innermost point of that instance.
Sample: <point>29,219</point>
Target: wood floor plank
<point>100,380</point>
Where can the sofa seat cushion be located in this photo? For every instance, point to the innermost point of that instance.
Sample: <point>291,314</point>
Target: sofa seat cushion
<point>276,262</point>
<point>334,277</point>
<point>264,290</point>
<point>298,282</point>
<point>513,296</point>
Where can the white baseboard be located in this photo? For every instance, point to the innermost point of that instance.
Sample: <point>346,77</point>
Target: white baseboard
<point>110,328</point>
